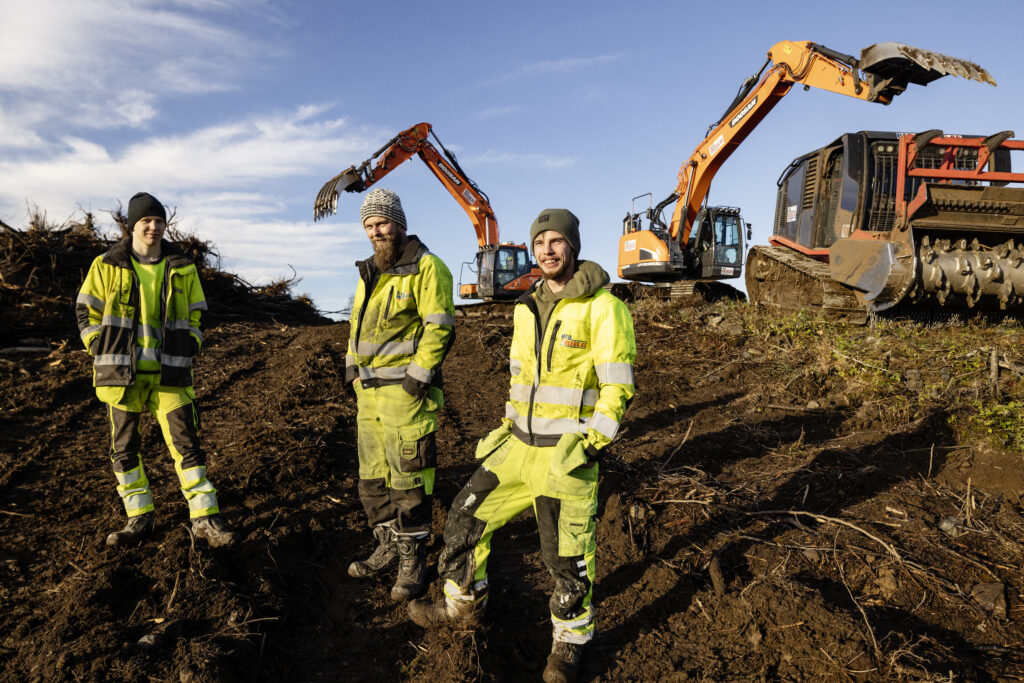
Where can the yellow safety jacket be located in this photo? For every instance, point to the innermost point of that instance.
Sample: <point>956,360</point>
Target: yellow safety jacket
<point>403,322</point>
<point>575,376</point>
<point>108,313</point>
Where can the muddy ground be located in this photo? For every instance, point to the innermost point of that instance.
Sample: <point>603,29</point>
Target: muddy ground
<point>788,500</point>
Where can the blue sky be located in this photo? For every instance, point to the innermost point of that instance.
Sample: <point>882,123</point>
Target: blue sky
<point>236,112</point>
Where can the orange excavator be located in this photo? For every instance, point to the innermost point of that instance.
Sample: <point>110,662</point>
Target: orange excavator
<point>504,269</point>
<point>689,246</point>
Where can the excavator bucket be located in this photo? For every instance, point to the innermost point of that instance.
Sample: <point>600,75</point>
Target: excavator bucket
<point>327,199</point>
<point>892,66</point>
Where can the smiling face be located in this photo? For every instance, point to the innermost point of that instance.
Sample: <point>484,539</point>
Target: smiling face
<point>387,238</point>
<point>147,232</point>
<point>554,256</point>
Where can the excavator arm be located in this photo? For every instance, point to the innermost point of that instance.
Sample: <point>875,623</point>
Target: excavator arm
<point>445,167</point>
<point>883,71</point>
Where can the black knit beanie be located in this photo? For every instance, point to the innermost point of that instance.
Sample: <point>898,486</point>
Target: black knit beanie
<point>144,205</point>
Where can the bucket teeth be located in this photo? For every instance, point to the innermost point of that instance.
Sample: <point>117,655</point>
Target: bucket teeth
<point>326,202</point>
<point>917,65</point>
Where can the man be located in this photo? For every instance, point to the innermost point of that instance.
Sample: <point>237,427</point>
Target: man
<point>138,315</point>
<point>572,377</point>
<point>401,328</point>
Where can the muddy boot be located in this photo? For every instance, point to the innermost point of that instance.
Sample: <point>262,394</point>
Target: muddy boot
<point>384,555</point>
<point>134,530</point>
<point>214,531</point>
<point>412,568</point>
<point>448,611</point>
<point>563,662</point>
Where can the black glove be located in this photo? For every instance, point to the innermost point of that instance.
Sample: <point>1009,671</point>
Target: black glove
<point>94,346</point>
<point>414,387</point>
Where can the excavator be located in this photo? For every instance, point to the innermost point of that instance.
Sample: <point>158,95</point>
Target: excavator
<point>689,248</point>
<point>504,269</point>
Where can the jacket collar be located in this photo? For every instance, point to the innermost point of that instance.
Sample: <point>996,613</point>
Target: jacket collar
<point>120,254</point>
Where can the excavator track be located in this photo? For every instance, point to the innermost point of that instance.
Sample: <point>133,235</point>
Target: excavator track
<point>708,290</point>
<point>787,281</point>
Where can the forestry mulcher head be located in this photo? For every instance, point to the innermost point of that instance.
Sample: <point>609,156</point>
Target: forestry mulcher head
<point>349,180</point>
<point>890,67</point>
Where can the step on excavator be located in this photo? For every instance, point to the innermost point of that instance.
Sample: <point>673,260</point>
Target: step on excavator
<point>691,250</point>
<point>504,270</point>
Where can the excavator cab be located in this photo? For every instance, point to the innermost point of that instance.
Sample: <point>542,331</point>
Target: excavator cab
<point>503,272</point>
<point>716,241</point>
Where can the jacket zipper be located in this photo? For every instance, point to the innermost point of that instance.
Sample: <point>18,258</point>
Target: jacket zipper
<point>538,348</point>
<point>551,343</point>
<point>387,307</point>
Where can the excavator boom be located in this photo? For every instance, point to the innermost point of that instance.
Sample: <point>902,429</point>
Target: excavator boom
<point>445,167</point>
<point>883,71</point>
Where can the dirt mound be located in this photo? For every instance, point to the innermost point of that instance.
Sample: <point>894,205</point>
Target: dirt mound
<point>41,269</point>
<point>788,500</point>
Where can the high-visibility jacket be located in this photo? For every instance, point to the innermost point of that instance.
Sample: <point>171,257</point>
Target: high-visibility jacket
<point>575,376</point>
<point>403,321</point>
<point>107,309</point>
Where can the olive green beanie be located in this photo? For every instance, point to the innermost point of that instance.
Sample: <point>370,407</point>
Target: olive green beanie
<point>561,221</point>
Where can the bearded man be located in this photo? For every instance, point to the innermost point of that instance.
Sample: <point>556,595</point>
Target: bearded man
<point>402,325</point>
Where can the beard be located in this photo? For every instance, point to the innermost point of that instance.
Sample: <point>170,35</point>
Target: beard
<point>385,252</point>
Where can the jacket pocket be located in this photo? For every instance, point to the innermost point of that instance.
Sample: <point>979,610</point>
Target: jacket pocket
<point>492,441</point>
<point>417,446</point>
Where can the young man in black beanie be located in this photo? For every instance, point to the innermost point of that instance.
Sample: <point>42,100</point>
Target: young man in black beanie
<point>138,315</point>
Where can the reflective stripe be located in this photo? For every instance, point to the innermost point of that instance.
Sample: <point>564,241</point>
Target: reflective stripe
<point>177,361</point>
<point>89,330</point>
<point>193,476</point>
<point>514,366</point>
<point>614,373</point>
<point>149,353</point>
<point>90,300</point>
<point>113,359</point>
<point>511,412</point>
<point>545,426</point>
<point>196,333</point>
<point>114,321</point>
<point>418,373</point>
<point>137,501</point>
<point>202,502</point>
<point>149,331</point>
<point>382,373</point>
<point>197,306</point>
<point>178,325</point>
<point>390,348</point>
<point>579,631</point>
<point>561,396</point>
<point>440,319</point>
<point>605,425</point>
<point>349,359</point>
<point>130,477</point>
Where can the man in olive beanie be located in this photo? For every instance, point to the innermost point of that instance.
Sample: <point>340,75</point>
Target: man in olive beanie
<point>568,394</point>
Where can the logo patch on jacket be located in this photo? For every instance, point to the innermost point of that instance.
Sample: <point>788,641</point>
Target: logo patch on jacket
<point>567,340</point>
<point>178,290</point>
<point>402,296</point>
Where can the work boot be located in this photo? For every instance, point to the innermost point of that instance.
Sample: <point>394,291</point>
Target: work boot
<point>412,568</point>
<point>384,555</point>
<point>134,530</point>
<point>442,612</point>
<point>563,662</point>
<point>213,530</point>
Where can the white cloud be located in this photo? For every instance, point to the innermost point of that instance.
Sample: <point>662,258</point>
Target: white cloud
<point>494,112</point>
<point>229,157</point>
<point>549,161</point>
<point>556,66</point>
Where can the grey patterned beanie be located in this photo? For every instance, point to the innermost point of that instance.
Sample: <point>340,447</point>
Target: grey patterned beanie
<point>382,203</point>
